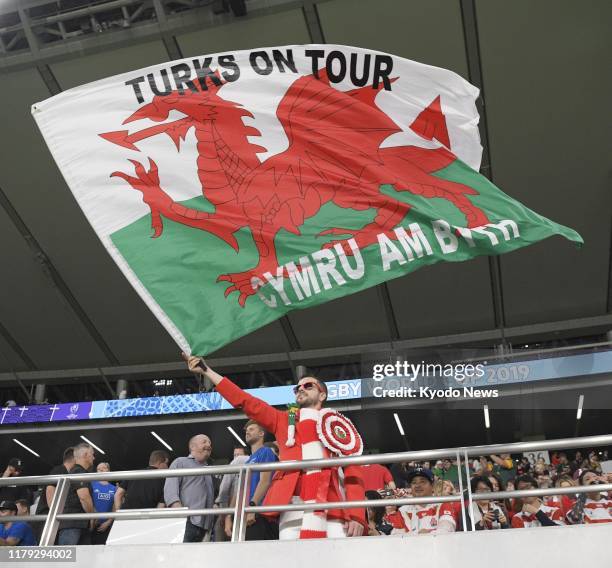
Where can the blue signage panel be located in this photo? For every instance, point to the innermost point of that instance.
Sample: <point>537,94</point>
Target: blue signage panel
<point>505,373</point>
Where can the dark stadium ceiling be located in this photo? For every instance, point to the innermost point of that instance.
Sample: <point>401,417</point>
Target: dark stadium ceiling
<point>544,70</point>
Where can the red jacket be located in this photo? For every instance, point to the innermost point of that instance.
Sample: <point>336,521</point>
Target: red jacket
<point>284,483</point>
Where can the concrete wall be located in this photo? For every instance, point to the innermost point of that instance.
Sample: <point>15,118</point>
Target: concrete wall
<point>555,546</point>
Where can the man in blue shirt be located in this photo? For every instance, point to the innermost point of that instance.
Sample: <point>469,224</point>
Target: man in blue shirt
<point>14,533</point>
<point>258,527</point>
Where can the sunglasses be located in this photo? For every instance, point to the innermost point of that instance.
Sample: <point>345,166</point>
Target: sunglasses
<point>307,386</point>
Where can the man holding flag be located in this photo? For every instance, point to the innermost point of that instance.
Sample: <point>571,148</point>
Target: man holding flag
<point>306,432</point>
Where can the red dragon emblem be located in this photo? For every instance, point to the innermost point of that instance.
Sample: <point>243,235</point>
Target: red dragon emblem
<point>334,155</point>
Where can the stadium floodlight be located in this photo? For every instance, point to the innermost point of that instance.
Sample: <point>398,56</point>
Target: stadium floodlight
<point>25,447</point>
<point>486,416</point>
<point>233,433</point>
<point>399,424</point>
<point>155,435</point>
<point>93,445</point>
<point>580,403</point>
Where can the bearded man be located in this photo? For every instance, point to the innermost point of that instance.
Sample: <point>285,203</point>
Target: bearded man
<point>300,434</point>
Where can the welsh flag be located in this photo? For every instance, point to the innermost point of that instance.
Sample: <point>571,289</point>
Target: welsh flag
<point>233,188</point>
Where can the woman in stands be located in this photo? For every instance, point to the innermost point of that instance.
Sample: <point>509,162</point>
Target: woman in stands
<point>498,485</point>
<point>595,507</point>
<point>563,502</point>
<point>487,515</point>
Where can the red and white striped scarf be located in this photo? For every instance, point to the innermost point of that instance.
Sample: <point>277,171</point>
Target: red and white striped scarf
<point>315,482</point>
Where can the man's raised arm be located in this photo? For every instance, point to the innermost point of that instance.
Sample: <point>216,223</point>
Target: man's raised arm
<point>260,411</point>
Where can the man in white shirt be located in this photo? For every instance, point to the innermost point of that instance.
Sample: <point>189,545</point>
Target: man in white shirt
<point>534,512</point>
<point>227,490</point>
<point>422,519</point>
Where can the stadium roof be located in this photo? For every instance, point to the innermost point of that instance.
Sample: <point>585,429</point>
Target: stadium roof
<point>544,71</point>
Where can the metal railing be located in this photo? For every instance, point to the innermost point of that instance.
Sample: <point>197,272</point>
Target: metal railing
<point>244,472</point>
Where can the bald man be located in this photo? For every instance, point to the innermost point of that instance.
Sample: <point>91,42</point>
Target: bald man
<point>195,492</point>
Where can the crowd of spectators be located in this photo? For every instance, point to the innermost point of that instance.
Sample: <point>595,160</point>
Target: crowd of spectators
<point>487,474</point>
<point>193,492</point>
<point>491,474</point>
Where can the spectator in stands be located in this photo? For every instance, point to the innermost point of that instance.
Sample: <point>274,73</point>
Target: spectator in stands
<point>23,507</point>
<point>421,519</point>
<point>67,464</point>
<point>46,497</point>
<point>377,524</point>
<point>563,466</point>
<point>524,466</point>
<point>79,500</point>
<point>513,505</point>
<point>593,463</point>
<point>376,477</point>
<point>482,466</point>
<point>258,527</point>
<point>496,482</point>
<point>144,493</point>
<point>195,492</point>
<point>399,471</point>
<point>447,470</point>
<point>239,451</point>
<point>14,492</point>
<point>542,474</point>
<point>503,466</point>
<point>563,502</point>
<point>104,500</point>
<point>14,533</point>
<point>595,507</point>
<point>443,488</point>
<point>310,397</point>
<point>487,515</point>
<point>544,480</point>
<point>577,463</point>
<point>540,469</point>
<point>227,493</point>
<point>534,513</point>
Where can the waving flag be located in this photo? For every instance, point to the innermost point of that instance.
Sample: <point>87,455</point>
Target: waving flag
<point>233,188</point>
